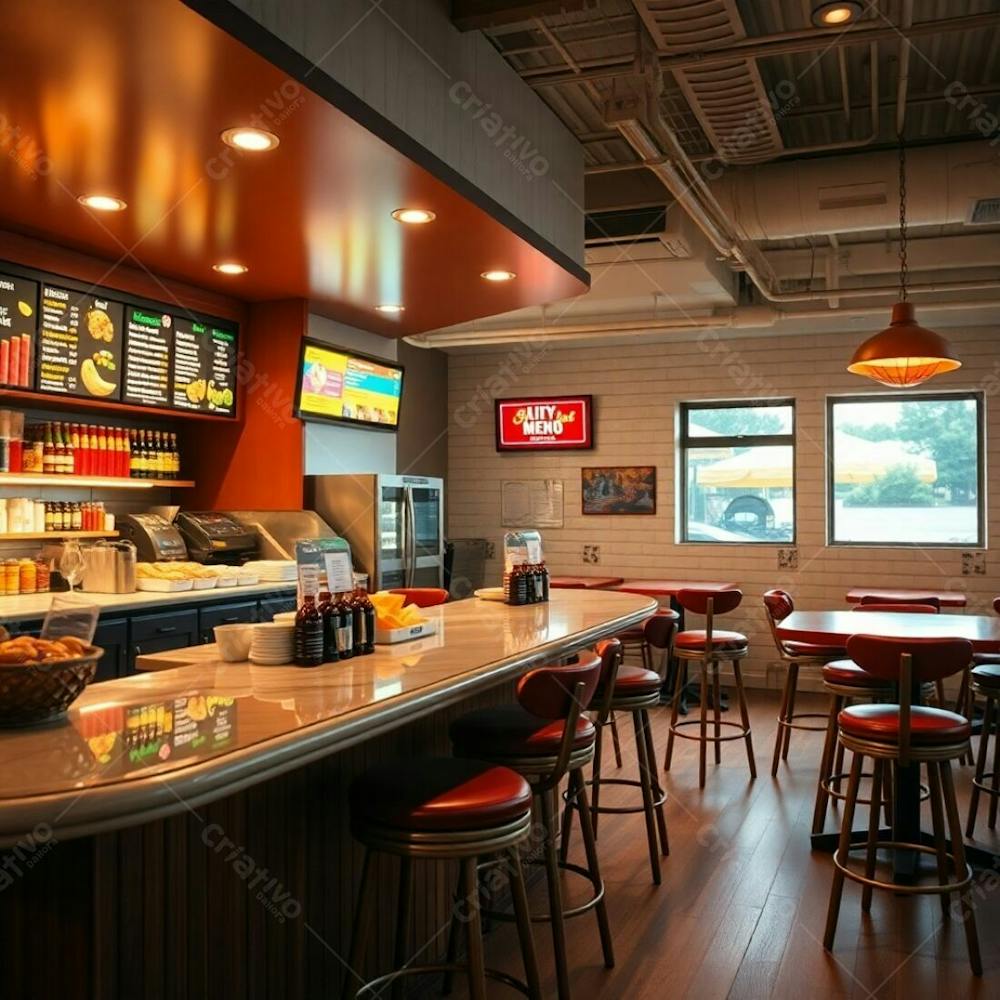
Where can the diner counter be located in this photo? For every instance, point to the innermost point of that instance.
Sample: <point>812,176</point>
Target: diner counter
<point>157,744</point>
<point>31,606</point>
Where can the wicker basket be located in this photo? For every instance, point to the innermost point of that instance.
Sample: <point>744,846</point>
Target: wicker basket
<point>40,692</point>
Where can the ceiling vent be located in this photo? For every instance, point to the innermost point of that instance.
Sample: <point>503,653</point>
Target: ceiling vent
<point>632,227</point>
<point>985,212</point>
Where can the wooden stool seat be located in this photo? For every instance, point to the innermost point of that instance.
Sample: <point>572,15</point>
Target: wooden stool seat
<point>698,638</point>
<point>881,723</point>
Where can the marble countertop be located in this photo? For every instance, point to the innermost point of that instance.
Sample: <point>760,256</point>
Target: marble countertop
<point>30,606</point>
<point>158,743</point>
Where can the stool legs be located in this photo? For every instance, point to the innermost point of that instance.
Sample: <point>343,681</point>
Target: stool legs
<point>661,820</point>
<point>615,741</point>
<point>837,889</point>
<point>474,931</point>
<point>826,763</point>
<point>579,787</point>
<point>783,714</point>
<point>703,743</point>
<point>674,712</point>
<point>989,719</point>
<point>642,749</point>
<point>745,716</point>
<point>403,910</point>
<point>555,893</point>
<point>363,916</point>
<point>958,848</point>
<point>523,915</point>
<point>716,712</point>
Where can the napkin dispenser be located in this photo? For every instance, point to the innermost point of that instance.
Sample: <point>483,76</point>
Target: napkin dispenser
<point>109,568</point>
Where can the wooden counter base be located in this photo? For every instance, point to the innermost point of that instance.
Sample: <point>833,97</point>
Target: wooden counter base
<point>245,888</point>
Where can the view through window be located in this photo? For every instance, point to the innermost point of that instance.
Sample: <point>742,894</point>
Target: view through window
<point>906,470</point>
<point>738,464</point>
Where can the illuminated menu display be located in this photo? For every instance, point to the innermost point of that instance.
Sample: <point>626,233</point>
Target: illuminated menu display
<point>60,337</point>
<point>204,367</point>
<point>148,345</point>
<point>79,344</point>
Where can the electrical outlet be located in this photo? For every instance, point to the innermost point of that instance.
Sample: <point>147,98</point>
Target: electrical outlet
<point>788,558</point>
<point>968,559</point>
<point>979,563</point>
<point>592,554</point>
<point>491,550</point>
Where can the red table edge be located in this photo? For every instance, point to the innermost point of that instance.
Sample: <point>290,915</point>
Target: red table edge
<point>656,588</point>
<point>948,598</point>
<point>595,582</point>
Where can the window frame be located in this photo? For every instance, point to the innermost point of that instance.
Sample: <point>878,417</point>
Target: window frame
<point>685,441</point>
<point>872,397</point>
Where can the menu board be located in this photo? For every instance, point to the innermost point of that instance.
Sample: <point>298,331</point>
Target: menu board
<point>63,338</point>
<point>204,367</point>
<point>79,344</point>
<point>18,304</point>
<point>336,385</point>
<point>148,345</point>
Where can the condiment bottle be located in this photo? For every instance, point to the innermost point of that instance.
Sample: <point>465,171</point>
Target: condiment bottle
<point>364,622</point>
<point>345,627</point>
<point>329,616</point>
<point>308,644</point>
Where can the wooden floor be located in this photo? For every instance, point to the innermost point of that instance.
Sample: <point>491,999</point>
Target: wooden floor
<point>742,907</point>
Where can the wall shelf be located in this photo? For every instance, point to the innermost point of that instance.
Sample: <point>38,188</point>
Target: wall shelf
<point>93,482</point>
<point>55,402</point>
<point>35,536</point>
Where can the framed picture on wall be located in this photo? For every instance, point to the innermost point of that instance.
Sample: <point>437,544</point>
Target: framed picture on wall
<point>619,489</point>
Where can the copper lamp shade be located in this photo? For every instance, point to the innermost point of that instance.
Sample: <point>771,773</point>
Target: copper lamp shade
<point>904,353</point>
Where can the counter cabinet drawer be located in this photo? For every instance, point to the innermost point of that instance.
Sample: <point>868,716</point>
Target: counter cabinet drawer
<point>112,636</point>
<point>271,606</point>
<point>159,632</point>
<point>236,612</point>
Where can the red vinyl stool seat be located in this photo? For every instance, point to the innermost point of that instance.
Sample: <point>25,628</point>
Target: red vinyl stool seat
<point>986,659</point>
<point>440,809</point>
<point>545,738</point>
<point>881,724</point>
<point>708,647</point>
<point>632,690</point>
<point>443,794</point>
<point>511,729</point>
<point>778,605</point>
<point>897,738</point>
<point>721,639</point>
<point>847,672</point>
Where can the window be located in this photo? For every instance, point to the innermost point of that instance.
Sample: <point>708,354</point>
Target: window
<point>906,469</point>
<point>738,467</point>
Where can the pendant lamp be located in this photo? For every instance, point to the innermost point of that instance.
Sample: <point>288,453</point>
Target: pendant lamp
<point>904,354</point>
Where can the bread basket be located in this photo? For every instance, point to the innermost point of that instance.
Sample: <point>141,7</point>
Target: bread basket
<point>31,693</point>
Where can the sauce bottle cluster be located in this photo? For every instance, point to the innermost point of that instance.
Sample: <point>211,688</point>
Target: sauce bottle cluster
<point>334,627</point>
<point>527,583</point>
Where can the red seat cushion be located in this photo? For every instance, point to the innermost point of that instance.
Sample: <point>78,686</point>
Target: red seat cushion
<point>847,672</point>
<point>721,639</point>
<point>636,680</point>
<point>987,674</point>
<point>881,723</point>
<point>511,730</point>
<point>447,793</point>
<point>985,659</point>
<point>811,649</point>
<point>637,633</point>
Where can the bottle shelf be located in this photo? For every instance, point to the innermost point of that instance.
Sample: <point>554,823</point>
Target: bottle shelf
<point>94,482</point>
<point>34,536</point>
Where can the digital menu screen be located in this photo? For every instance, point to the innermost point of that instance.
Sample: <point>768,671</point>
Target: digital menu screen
<point>204,367</point>
<point>148,345</point>
<point>18,322</point>
<point>79,344</point>
<point>338,385</point>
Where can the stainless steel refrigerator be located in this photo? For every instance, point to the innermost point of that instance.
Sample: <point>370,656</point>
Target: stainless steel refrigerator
<point>395,525</point>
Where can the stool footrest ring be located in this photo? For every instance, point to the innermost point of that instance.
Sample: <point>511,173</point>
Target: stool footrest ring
<point>835,793</point>
<point>913,890</point>
<point>545,918</point>
<point>374,986</point>
<point>741,734</point>
<point>792,723</point>
<point>658,800</point>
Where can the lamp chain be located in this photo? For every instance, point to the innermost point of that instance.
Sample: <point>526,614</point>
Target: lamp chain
<point>903,275</point>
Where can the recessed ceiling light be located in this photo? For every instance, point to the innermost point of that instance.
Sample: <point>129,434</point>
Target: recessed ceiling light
<point>389,309</point>
<point>230,267</point>
<point>836,14</point>
<point>101,202</point>
<point>251,140</point>
<point>499,275</point>
<point>413,216</point>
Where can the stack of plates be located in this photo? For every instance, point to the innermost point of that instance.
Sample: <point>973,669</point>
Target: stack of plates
<point>272,570</point>
<point>271,643</point>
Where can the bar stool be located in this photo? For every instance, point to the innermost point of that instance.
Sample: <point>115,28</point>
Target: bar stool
<point>902,735</point>
<point>545,737</point>
<point>710,646</point>
<point>441,809</point>
<point>985,680</point>
<point>634,690</point>
<point>778,605</point>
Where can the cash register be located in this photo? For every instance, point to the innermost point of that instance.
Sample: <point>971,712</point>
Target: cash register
<point>214,537</point>
<point>154,537</point>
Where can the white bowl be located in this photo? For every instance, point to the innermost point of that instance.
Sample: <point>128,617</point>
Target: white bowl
<point>233,641</point>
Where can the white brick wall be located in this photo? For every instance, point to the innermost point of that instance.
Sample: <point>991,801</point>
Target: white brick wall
<point>637,389</point>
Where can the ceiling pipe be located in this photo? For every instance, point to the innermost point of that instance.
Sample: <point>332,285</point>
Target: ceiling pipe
<point>742,318</point>
<point>903,80</point>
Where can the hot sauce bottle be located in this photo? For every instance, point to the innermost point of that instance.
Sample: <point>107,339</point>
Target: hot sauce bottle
<point>329,616</point>
<point>345,626</point>
<point>364,622</point>
<point>308,641</point>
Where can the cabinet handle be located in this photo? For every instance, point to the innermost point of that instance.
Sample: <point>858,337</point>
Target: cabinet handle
<point>164,629</point>
<point>231,620</point>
